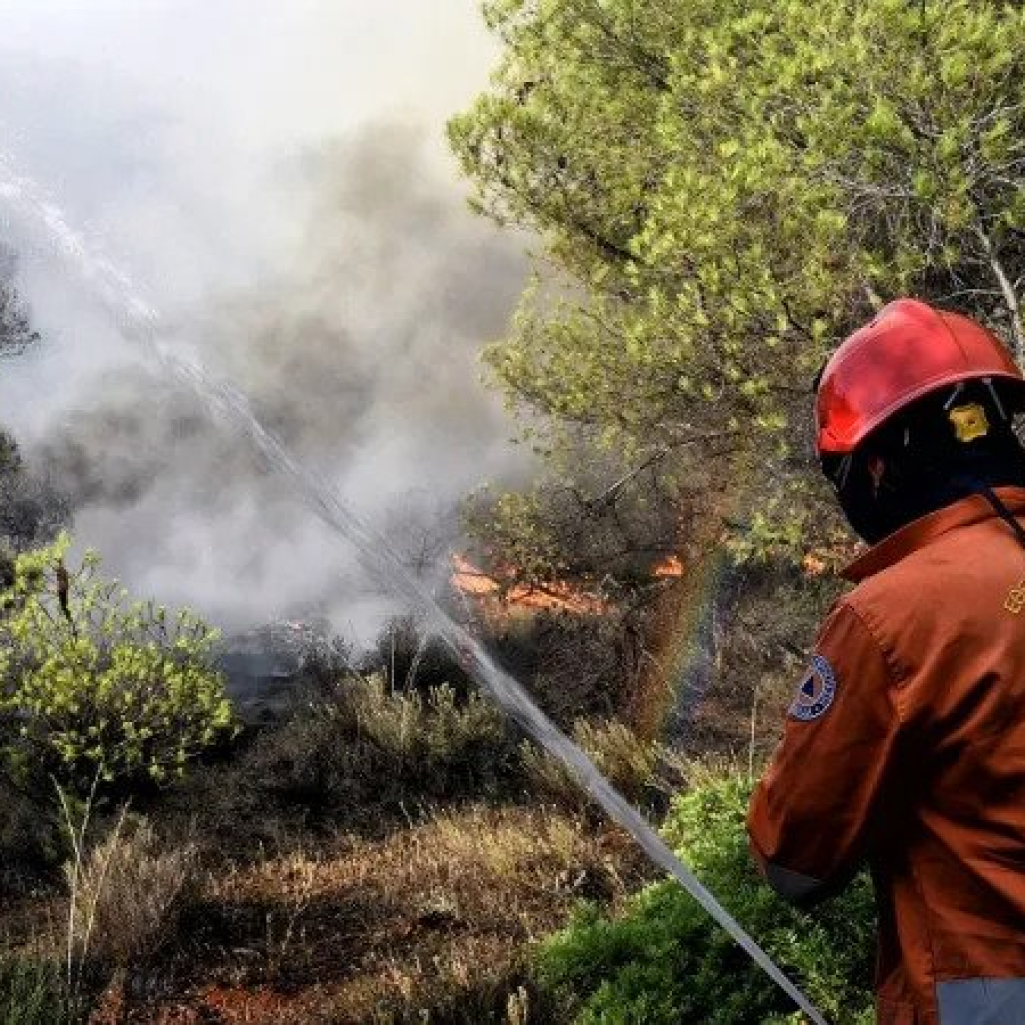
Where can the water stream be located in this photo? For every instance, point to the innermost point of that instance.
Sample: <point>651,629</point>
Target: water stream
<point>142,323</point>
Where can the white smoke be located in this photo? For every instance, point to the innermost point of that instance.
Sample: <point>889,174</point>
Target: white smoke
<point>273,174</point>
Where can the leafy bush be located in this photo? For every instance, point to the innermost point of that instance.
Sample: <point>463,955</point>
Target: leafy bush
<point>664,962</point>
<point>361,744</point>
<point>429,733</point>
<point>96,687</point>
<point>725,187</point>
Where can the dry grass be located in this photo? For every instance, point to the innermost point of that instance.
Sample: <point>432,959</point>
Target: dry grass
<point>349,902</point>
<point>122,903</point>
<point>128,893</point>
<point>428,924</point>
<point>333,896</point>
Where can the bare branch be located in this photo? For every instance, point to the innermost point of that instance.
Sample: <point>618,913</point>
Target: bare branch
<point>875,300</point>
<point>1008,292</point>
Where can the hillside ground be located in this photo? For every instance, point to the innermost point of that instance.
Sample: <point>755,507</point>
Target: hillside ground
<point>381,856</point>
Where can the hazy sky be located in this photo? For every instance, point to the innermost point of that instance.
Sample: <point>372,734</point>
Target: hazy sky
<point>184,113</point>
<point>273,175</point>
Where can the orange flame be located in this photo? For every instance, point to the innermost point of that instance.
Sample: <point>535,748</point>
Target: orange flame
<point>557,596</point>
<point>469,580</point>
<point>670,567</point>
<point>813,566</point>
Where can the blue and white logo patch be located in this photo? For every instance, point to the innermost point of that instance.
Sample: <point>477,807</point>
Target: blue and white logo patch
<point>816,692</point>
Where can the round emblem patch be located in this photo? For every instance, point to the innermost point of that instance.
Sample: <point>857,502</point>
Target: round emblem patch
<point>816,692</point>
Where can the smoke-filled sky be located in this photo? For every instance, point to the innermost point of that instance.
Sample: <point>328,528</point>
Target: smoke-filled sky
<point>272,173</point>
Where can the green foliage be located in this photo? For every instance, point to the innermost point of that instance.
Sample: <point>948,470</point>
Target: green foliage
<point>516,530</point>
<point>360,745</point>
<point>632,765</point>
<point>33,992</point>
<point>94,686</point>
<point>432,733</point>
<point>724,189</point>
<point>664,962</point>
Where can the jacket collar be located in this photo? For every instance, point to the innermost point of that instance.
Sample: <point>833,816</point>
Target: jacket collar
<point>923,531</point>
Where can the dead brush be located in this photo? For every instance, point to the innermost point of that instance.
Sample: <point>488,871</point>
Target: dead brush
<point>127,894</point>
<point>431,922</point>
<point>291,875</point>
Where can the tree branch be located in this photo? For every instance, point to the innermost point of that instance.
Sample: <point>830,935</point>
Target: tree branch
<point>1008,292</point>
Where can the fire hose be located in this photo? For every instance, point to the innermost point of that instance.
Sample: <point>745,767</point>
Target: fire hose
<point>223,402</point>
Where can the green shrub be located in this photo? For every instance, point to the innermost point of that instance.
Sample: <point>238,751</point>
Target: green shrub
<point>431,732</point>
<point>33,839</point>
<point>631,764</point>
<point>94,686</point>
<point>664,962</point>
<point>360,745</point>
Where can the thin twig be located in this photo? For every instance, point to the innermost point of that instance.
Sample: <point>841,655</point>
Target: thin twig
<point>97,889</point>
<point>77,847</point>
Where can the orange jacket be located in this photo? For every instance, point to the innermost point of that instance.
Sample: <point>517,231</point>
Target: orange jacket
<point>905,748</point>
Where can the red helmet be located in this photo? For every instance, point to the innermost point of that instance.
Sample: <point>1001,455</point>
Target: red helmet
<point>908,350</point>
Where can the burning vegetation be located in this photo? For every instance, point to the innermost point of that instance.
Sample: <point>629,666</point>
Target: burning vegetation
<point>504,595</point>
<point>499,597</point>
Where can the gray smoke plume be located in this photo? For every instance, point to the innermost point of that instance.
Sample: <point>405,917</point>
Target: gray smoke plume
<point>349,301</point>
<point>361,357</point>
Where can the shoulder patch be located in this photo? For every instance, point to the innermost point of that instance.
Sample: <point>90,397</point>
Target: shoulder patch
<point>816,692</point>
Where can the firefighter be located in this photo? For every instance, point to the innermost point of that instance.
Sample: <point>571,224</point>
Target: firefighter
<point>904,747</point>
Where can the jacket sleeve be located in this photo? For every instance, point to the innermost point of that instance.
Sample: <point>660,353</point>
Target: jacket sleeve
<point>821,804</point>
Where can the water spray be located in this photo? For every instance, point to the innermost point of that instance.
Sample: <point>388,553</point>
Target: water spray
<point>140,321</point>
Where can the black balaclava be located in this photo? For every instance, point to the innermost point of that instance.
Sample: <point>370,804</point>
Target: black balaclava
<point>945,447</point>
